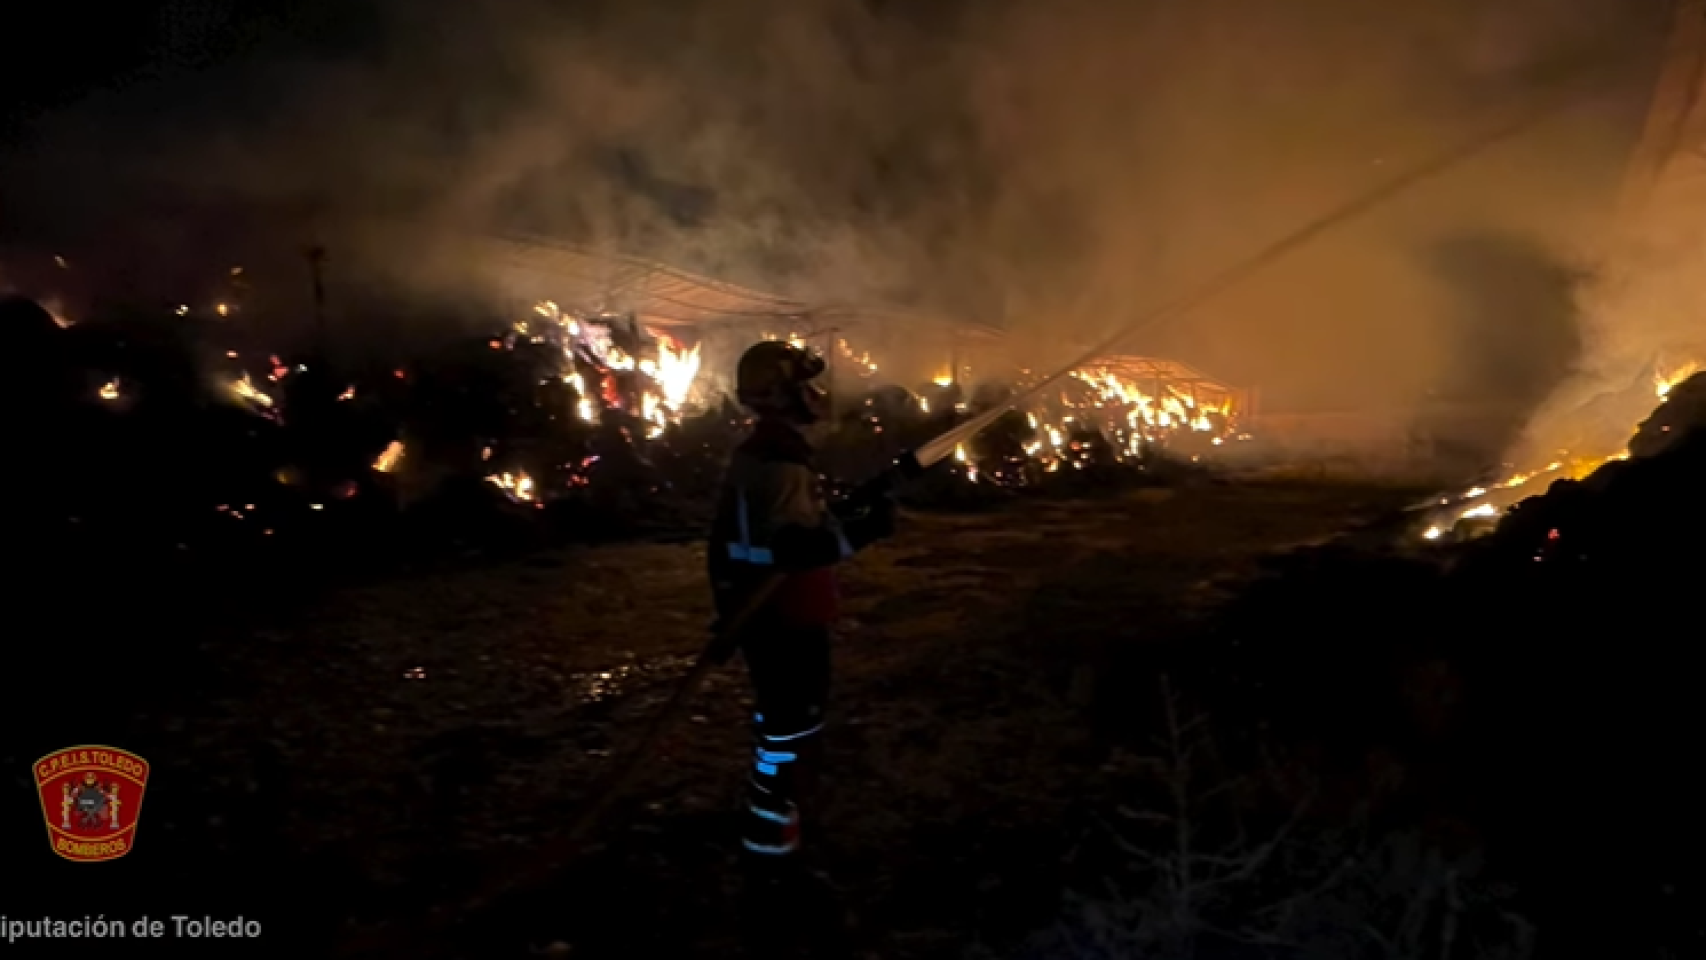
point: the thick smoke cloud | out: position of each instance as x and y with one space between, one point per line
1053 166
1642 310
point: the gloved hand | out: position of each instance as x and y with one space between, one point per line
876 521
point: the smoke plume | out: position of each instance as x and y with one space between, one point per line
1055 167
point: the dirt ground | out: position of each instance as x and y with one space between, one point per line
349 763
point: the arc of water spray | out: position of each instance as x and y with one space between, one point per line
1172 310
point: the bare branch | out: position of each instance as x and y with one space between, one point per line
1453 906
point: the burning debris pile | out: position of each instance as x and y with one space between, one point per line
1601 438
666 412
608 393
144 440
1121 416
566 423
1127 409
1631 511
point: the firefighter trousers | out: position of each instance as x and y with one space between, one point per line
790 669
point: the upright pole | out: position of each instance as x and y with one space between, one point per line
316 260
832 365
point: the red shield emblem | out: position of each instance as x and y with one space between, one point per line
91 797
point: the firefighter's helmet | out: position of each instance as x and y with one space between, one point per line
775 378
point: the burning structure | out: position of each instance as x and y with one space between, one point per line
645 385
655 345
598 401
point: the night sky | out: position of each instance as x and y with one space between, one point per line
123 78
102 47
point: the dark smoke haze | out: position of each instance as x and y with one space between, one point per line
1051 166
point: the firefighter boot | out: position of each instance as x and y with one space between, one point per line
782 766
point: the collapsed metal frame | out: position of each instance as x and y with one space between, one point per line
686 305
1159 378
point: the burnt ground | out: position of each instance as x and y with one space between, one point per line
994 695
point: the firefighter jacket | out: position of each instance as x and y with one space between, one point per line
772 519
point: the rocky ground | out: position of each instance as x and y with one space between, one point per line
339 761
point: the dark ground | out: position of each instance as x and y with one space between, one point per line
992 696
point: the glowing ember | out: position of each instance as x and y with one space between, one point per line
56 310
244 389
387 461
862 359
1664 383
970 464
110 390
792 338
519 486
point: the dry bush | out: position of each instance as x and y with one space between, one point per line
1217 869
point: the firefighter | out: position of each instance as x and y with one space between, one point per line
772 519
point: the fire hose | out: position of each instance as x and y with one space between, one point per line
721 647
